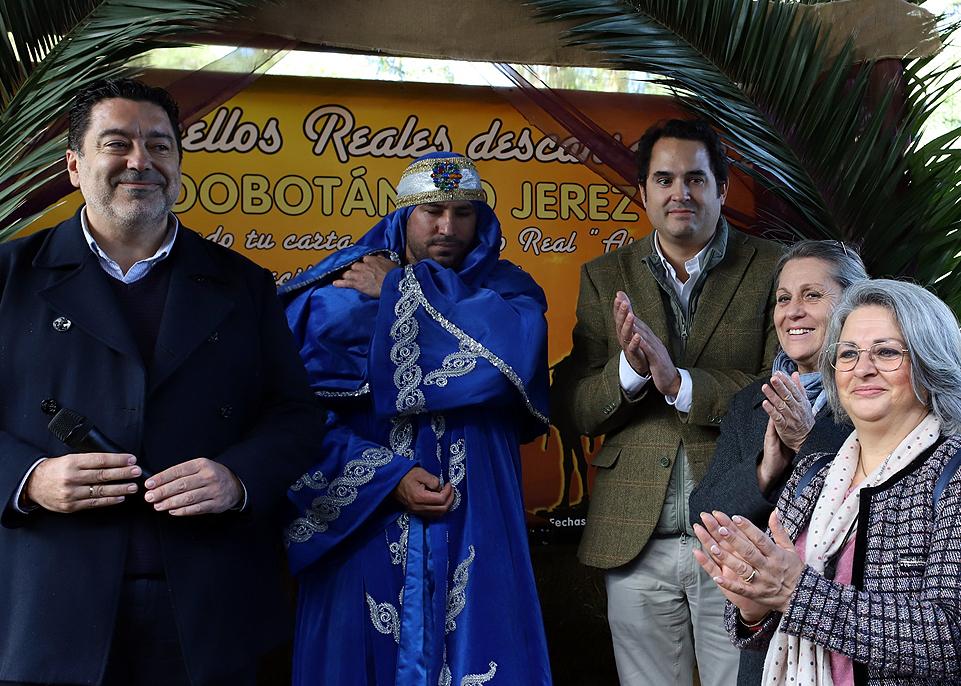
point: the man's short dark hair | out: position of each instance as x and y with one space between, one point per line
688 130
128 89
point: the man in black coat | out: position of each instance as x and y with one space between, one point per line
156 565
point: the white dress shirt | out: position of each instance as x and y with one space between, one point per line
631 381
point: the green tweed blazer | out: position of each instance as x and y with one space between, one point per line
730 343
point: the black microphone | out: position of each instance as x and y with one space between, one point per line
79 434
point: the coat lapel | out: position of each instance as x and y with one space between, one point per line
79 289
719 290
197 303
641 287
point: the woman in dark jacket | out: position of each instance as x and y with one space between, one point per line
789 410
861 583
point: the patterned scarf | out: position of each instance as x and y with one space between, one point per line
810 380
794 660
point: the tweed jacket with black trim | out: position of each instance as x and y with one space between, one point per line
900 619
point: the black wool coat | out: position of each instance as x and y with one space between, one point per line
225 383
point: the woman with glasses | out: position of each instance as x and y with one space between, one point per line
860 579
768 421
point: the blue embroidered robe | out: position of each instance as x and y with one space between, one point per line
447 370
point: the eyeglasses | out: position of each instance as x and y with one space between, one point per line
886 357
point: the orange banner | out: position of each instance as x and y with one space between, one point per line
292 169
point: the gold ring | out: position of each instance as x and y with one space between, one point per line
786 399
91 490
750 578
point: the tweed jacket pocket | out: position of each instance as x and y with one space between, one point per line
909 573
607 456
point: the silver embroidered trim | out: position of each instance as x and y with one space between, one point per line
475 679
363 390
315 481
412 288
405 352
456 364
401 437
341 492
398 548
457 468
439 425
470 679
457 596
384 617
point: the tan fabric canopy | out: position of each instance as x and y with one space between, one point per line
508 31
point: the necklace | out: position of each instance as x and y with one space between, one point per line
884 466
861 467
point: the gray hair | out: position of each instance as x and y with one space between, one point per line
846 265
931 335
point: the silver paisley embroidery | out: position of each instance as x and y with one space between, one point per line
457 468
457 597
456 364
475 679
363 390
398 548
470 679
438 425
384 617
341 492
401 437
405 352
412 289
316 481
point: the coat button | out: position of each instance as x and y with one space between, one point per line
226 411
62 324
665 462
213 338
49 407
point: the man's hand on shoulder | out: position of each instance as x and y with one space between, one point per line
420 493
366 275
81 481
199 486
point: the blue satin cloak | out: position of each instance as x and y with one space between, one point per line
456 377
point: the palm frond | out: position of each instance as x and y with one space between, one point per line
51 48
806 124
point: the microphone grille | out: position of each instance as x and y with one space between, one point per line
64 423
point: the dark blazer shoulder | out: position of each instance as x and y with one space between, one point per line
31 245
222 263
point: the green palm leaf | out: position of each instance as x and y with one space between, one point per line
51 48
802 122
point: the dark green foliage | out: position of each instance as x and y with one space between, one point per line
64 45
845 161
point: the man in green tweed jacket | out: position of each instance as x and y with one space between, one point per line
668 329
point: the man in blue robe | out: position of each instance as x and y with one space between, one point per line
410 545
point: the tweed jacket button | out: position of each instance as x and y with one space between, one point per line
665 462
226 411
213 338
62 324
49 406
